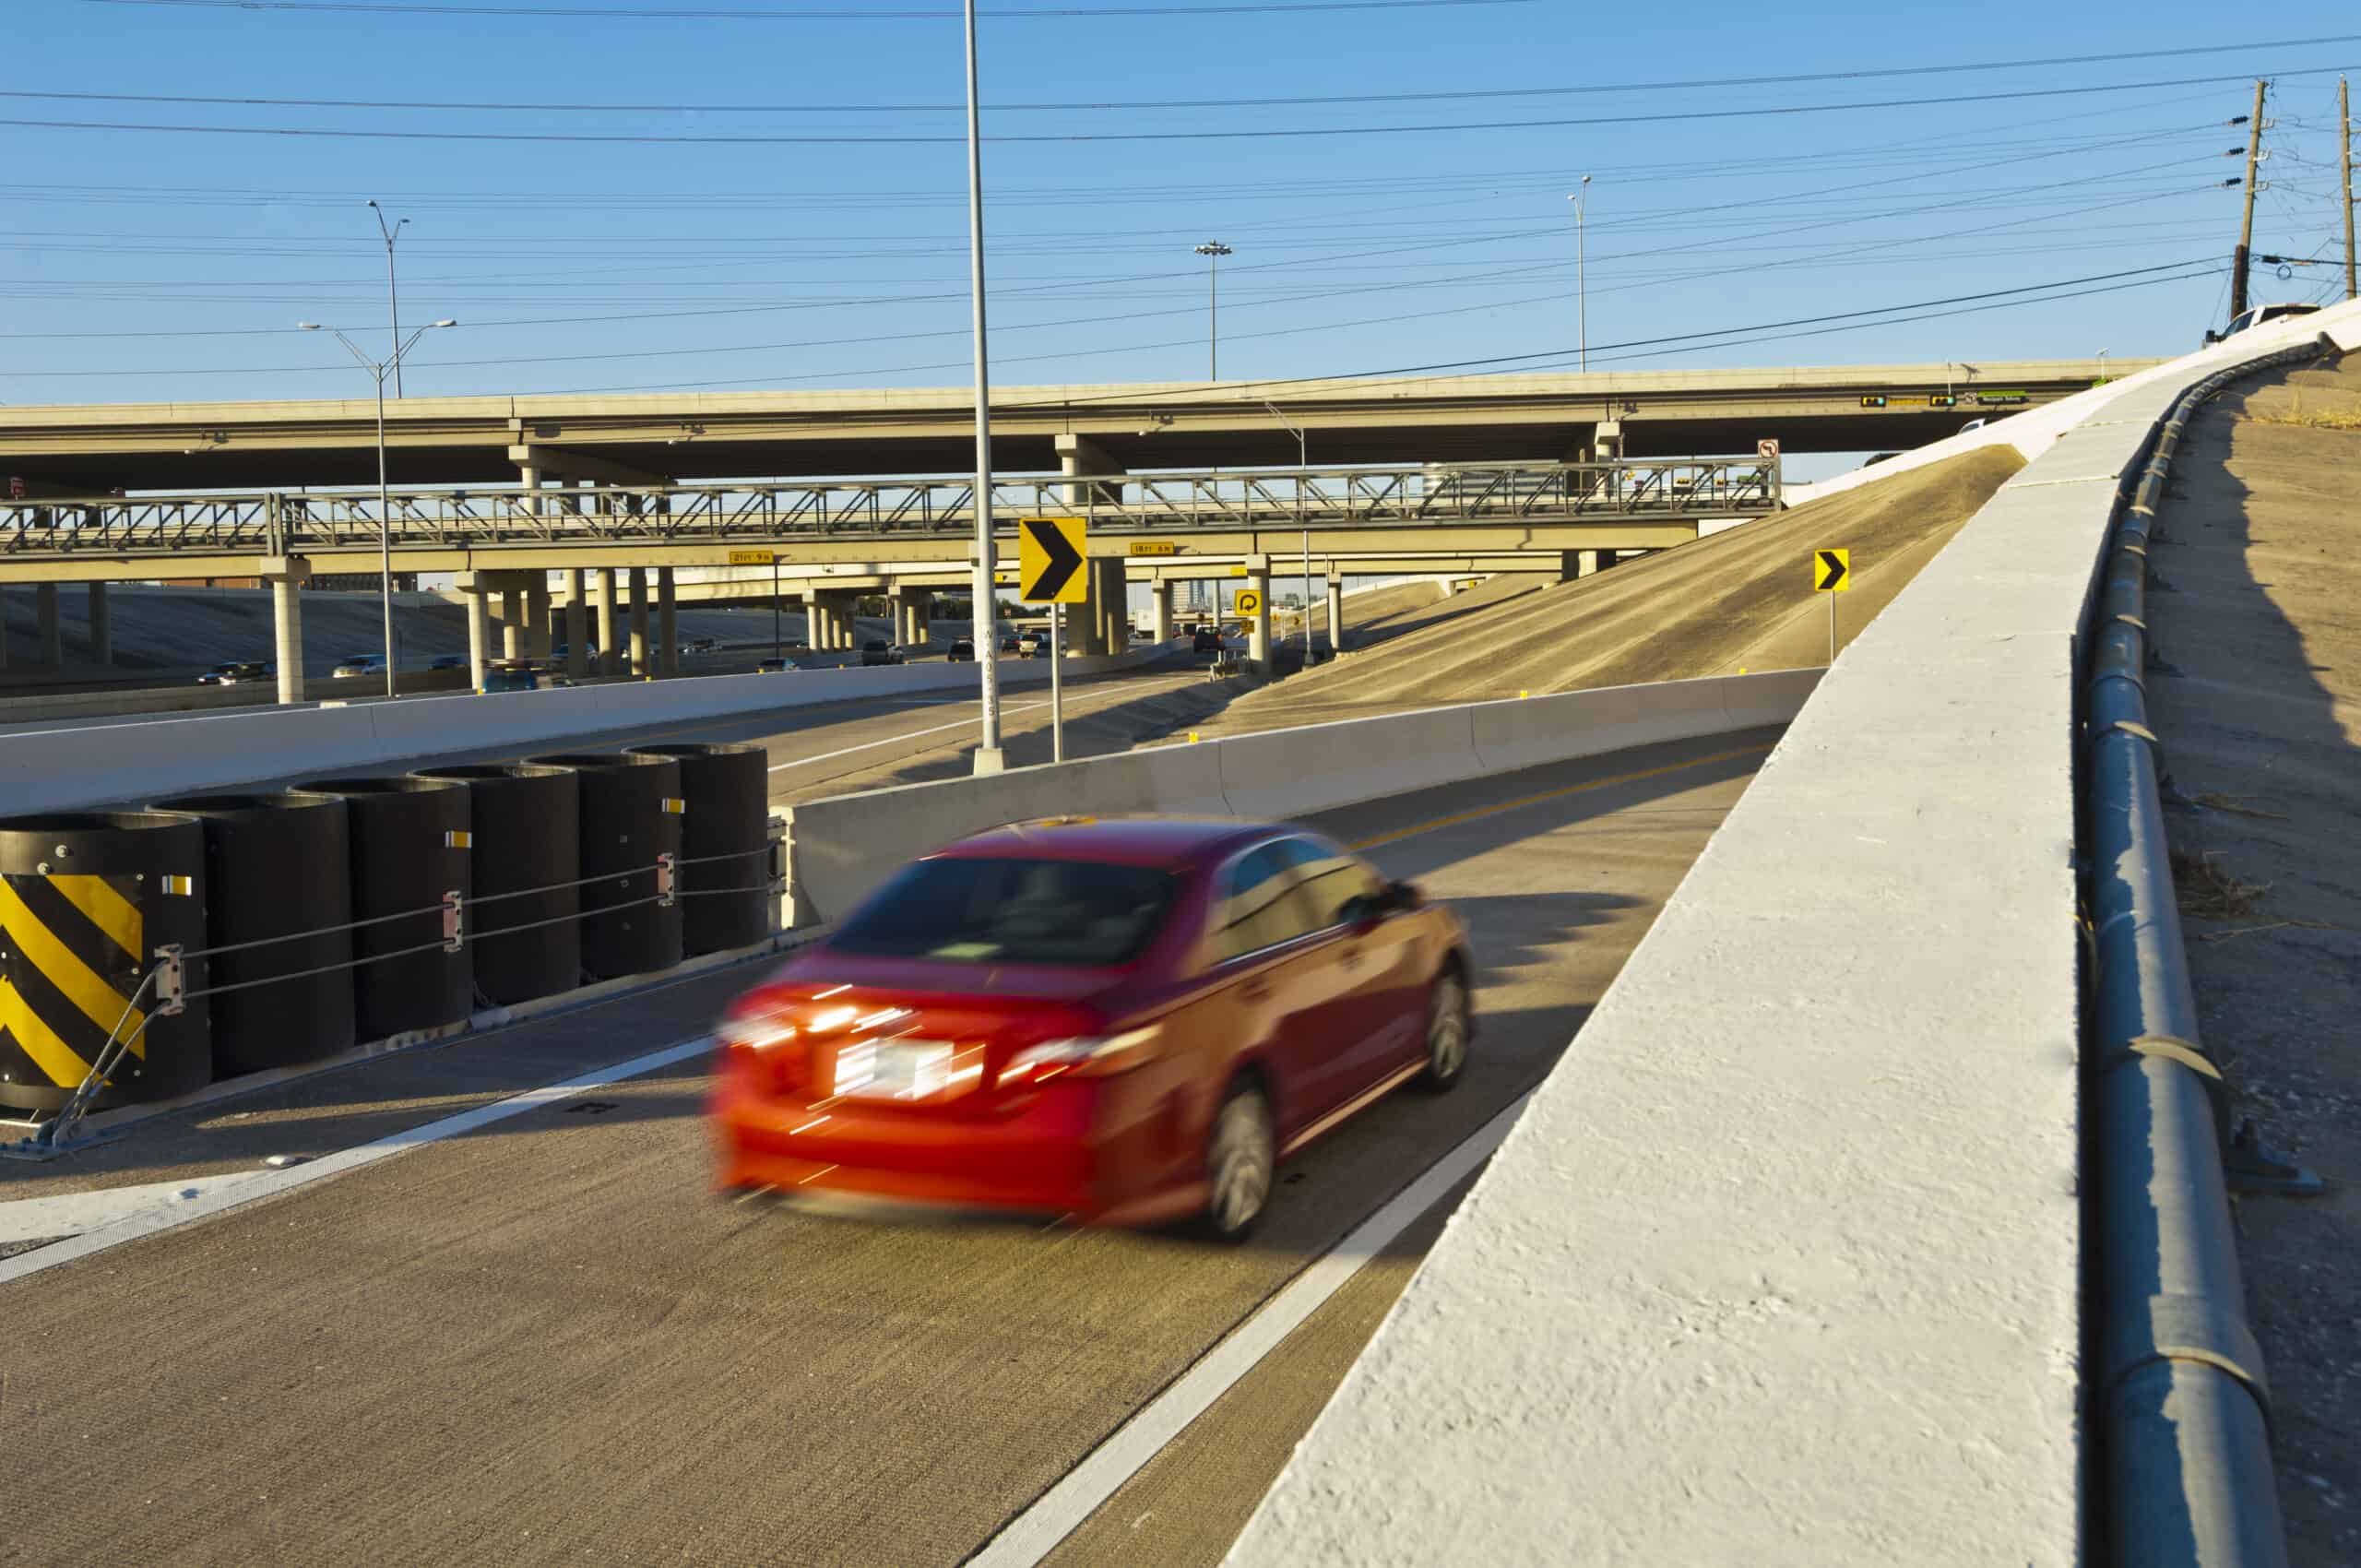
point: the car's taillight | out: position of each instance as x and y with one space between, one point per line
1085 1056
761 1041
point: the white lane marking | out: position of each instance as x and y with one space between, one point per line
270 1183
896 740
1060 1511
70 1214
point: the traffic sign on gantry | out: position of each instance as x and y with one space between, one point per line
1049 553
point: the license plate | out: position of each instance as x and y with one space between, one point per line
894 1069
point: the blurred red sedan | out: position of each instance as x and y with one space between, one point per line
1129 1020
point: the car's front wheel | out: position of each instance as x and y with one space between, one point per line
1241 1156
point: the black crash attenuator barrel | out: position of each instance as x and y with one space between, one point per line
85 898
632 812
411 840
523 924
278 875
725 844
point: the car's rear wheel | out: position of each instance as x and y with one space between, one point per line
1447 1032
1241 1156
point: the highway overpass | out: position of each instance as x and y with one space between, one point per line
1825 1243
668 437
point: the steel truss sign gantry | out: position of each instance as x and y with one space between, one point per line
1410 498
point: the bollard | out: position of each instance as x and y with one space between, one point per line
631 812
523 917
725 898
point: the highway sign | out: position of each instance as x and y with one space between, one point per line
1831 570
1048 561
1154 547
1872 401
1248 603
753 557
1766 449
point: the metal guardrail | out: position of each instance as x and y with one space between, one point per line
2178 1385
274 523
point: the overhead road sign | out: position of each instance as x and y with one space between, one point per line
1154 547
753 557
1050 552
1831 570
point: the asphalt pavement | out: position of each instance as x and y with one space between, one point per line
545 1340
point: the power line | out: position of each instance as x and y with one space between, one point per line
1266 133
1062 13
1454 95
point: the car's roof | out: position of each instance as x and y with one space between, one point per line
1173 841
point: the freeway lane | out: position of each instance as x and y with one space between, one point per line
544 1341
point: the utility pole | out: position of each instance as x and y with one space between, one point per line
2344 158
2238 262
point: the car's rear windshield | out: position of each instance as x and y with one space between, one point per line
1079 913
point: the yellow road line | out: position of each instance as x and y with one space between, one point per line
1480 812
38 1041
63 969
109 910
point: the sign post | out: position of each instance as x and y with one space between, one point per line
765 558
1050 553
1831 573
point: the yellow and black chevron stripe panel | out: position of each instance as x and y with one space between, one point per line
71 958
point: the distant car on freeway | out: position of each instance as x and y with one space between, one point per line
510 678
1033 645
1206 640
962 652
234 674
1010 643
774 667
450 661
1880 457
877 651
1132 1020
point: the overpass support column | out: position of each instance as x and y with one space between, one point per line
638 621
1607 441
811 619
3 625
668 624
285 573
607 618
479 627
512 623
1258 625
897 608
48 639
1574 563
1104 617
1163 602
923 617
1079 458
101 626
1335 615
577 625
537 617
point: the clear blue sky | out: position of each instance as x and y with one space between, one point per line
844 265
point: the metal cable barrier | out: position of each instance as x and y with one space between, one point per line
166 978
2184 1408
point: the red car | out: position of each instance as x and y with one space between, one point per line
1129 1020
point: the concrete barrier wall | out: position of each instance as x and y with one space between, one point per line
1780 1265
840 849
67 769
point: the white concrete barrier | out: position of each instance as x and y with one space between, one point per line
66 769
1780 1265
840 849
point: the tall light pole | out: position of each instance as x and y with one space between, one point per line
1213 250
982 613
2103 364
1303 457
1580 199
393 298
377 370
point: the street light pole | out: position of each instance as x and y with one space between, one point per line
1580 199
1304 459
378 370
981 613
1213 250
393 298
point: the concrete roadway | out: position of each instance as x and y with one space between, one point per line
545 1341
